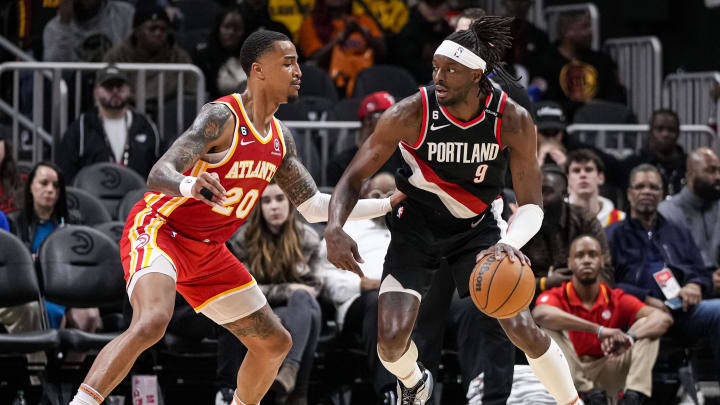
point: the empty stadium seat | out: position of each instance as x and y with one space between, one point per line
306 108
91 209
128 202
80 267
395 80
317 82
109 182
112 229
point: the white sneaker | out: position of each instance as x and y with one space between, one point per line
420 393
224 396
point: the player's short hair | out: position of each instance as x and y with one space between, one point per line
644 167
585 155
585 235
256 45
473 13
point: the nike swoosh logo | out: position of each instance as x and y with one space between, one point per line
476 223
243 143
434 128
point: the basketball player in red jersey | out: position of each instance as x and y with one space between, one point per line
203 188
452 136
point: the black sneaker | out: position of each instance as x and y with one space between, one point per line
595 397
631 397
420 393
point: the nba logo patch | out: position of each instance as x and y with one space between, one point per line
400 212
277 145
606 314
458 52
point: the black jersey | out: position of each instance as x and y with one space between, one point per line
455 166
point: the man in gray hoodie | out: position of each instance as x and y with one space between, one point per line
84 30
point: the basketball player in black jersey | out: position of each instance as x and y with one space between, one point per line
451 136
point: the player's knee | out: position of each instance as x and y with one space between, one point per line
278 344
392 343
150 327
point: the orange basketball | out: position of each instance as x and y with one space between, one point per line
501 288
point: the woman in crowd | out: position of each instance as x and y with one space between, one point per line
10 182
44 210
341 42
282 254
220 59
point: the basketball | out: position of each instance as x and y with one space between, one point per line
501 288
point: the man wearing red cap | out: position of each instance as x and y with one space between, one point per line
371 107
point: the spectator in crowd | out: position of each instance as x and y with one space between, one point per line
563 222
110 132
4 224
662 151
341 42
529 41
371 107
26 22
588 319
414 47
282 255
220 59
356 298
586 173
45 209
256 16
467 17
697 206
291 13
84 30
152 41
10 182
657 261
555 143
572 72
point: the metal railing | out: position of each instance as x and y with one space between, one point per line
688 94
59 115
624 139
639 61
326 131
551 19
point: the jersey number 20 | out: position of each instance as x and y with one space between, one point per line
480 174
235 195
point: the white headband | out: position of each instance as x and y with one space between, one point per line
460 54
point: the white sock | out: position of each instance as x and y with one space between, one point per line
405 368
87 395
554 373
237 401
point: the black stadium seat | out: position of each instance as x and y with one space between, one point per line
19 285
395 80
316 82
127 203
90 208
109 182
80 267
305 108
112 229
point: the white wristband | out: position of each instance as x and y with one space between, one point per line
186 186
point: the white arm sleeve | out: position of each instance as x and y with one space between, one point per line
315 208
524 224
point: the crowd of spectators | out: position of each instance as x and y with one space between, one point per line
629 248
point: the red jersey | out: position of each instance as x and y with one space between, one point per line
245 171
612 309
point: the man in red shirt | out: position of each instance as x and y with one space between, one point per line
587 319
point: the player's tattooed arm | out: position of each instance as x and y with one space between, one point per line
188 148
292 176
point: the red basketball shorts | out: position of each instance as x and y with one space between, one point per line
207 274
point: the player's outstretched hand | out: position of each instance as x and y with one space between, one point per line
213 193
499 249
342 251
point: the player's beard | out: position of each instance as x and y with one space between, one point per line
109 105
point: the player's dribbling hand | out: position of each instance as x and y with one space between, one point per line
499 249
210 181
343 251
397 197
